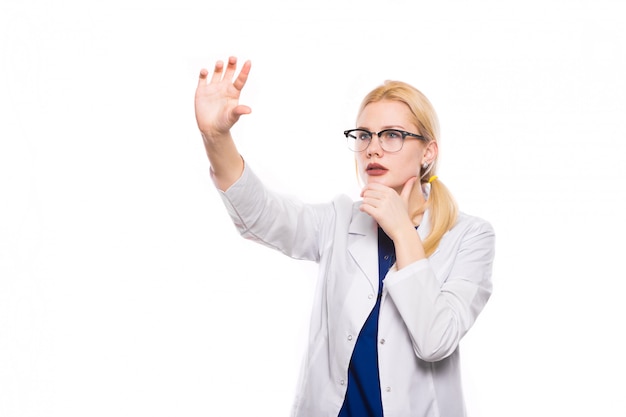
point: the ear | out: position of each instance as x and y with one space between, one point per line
430 153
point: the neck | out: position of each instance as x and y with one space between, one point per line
417 203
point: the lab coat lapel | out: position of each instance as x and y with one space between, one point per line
363 243
424 228
363 246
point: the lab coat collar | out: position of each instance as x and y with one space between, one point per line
363 242
362 224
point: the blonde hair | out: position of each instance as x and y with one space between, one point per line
443 210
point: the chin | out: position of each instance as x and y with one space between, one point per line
379 180
386 182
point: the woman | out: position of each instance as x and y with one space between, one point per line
403 275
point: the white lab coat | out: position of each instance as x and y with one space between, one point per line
426 307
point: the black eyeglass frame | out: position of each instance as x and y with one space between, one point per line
404 134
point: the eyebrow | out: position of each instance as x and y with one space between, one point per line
383 128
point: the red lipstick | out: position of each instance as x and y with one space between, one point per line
375 169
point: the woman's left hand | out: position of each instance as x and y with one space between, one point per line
388 208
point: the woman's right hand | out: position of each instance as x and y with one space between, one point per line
217 101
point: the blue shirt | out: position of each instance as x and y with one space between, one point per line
363 398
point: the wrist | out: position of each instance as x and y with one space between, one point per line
212 138
406 231
409 247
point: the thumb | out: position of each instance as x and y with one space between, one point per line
406 190
238 112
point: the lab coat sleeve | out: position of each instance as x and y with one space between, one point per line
438 314
279 222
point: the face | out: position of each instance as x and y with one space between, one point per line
391 169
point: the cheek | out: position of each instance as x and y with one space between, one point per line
411 166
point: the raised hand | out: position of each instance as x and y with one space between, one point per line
217 100
217 110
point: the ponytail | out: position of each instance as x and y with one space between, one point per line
443 212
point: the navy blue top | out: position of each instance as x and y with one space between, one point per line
363 397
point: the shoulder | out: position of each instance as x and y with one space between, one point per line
473 231
469 222
468 231
342 207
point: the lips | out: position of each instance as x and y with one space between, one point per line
375 169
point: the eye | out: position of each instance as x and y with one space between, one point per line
393 134
362 135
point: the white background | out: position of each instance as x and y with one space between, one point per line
124 288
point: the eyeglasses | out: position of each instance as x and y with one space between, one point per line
391 140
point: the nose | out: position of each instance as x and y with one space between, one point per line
374 146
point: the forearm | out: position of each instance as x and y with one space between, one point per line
433 317
226 162
409 247
440 298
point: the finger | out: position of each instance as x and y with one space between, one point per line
379 190
230 68
370 211
406 190
376 186
369 192
371 202
202 78
217 71
366 208
243 75
374 195
370 187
